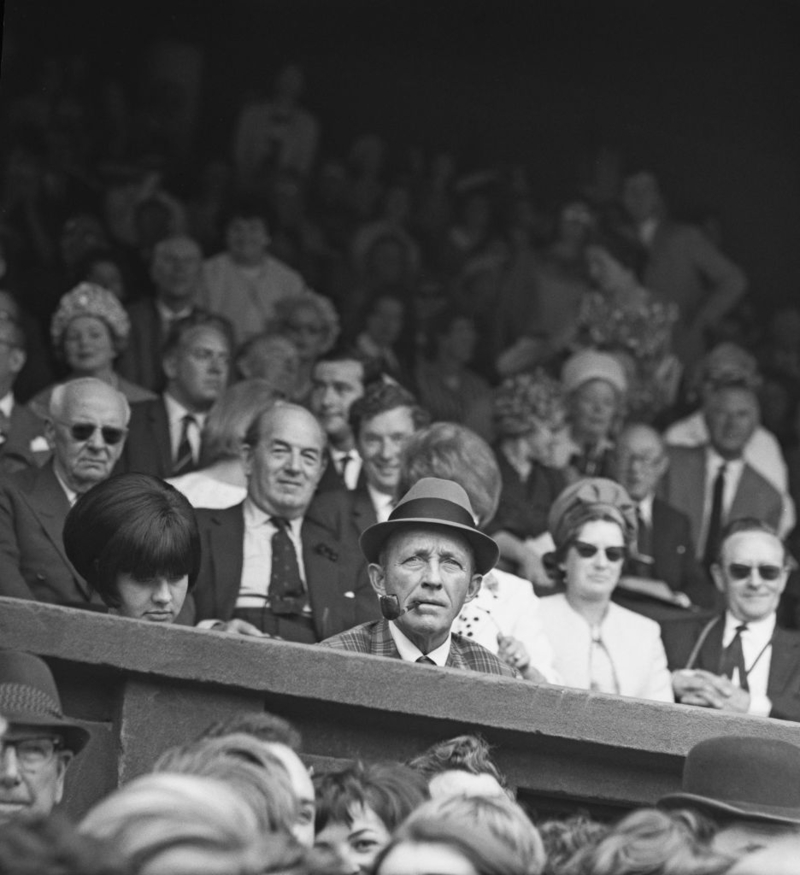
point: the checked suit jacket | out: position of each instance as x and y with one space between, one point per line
339 591
375 639
783 686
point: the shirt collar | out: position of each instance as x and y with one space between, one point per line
646 509
714 460
761 631
72 496
176 411
383 503
168 316
409 652
255 517
7 404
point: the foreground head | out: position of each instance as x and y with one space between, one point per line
465 835
178 824
359 807
749 786
382 420
752 570
460 766
284 456
86 429
39 741
429 556
641 460
134 539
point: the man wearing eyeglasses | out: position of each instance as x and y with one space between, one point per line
741 660
86 431
39 741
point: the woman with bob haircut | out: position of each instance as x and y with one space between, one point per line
599 645
169 824
134 539
464 835
359 807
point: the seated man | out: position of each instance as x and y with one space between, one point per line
267 562
39 741
425 562
86 430
665 566
740 661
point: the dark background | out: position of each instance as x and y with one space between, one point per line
705 93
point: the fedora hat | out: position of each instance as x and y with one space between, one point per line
28 695
743 777
433 502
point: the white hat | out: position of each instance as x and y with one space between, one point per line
589 364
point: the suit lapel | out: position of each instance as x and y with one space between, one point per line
51 506
226 546
455 659
363 510
783 665
159 429
322 562
711 650
381 642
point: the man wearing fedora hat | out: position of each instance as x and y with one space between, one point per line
748 786
425 562
39 741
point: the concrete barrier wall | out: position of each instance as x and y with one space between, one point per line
142 688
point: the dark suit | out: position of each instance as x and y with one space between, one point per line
783 686
673 552
140 361
16 453
33 563
375 639
339 591
148 449
684 487
332 480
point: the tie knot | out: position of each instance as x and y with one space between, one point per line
742 627
280 523
425 660
189 419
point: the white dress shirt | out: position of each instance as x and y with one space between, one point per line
257 556
381 502
7 404
733 474
353 468
757 651
411 653
175 413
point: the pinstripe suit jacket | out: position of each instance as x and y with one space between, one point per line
375 639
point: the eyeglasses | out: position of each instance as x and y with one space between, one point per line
765 572
32 753
82 431
586 551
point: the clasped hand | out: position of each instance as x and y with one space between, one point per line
699 687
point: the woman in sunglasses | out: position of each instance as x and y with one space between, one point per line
599 645
134 539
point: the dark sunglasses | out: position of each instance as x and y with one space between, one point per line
586 551
765 572
82 431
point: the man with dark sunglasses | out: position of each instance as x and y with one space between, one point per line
86 430
740 661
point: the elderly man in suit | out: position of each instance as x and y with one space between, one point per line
665 552
268 565
740 661
86 431
165 432
425 562
713 484
22 441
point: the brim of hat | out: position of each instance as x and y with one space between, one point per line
486 550
75 736
750 811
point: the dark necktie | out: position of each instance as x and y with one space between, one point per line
715 518
425 660
344 461
184 461
733 658
286 593
644 546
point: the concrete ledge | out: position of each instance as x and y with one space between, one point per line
157 686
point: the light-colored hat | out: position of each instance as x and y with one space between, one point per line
587 499
89 299
590 364
436 502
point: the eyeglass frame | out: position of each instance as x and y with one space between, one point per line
583 550
56 740
112 435
743 571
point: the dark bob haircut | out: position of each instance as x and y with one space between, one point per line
132 524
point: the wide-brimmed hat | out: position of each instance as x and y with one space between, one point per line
439 503
743 777
28 695
89 299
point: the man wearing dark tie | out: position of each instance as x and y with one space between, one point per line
165 432
740 661
665 552
268 566
714 485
